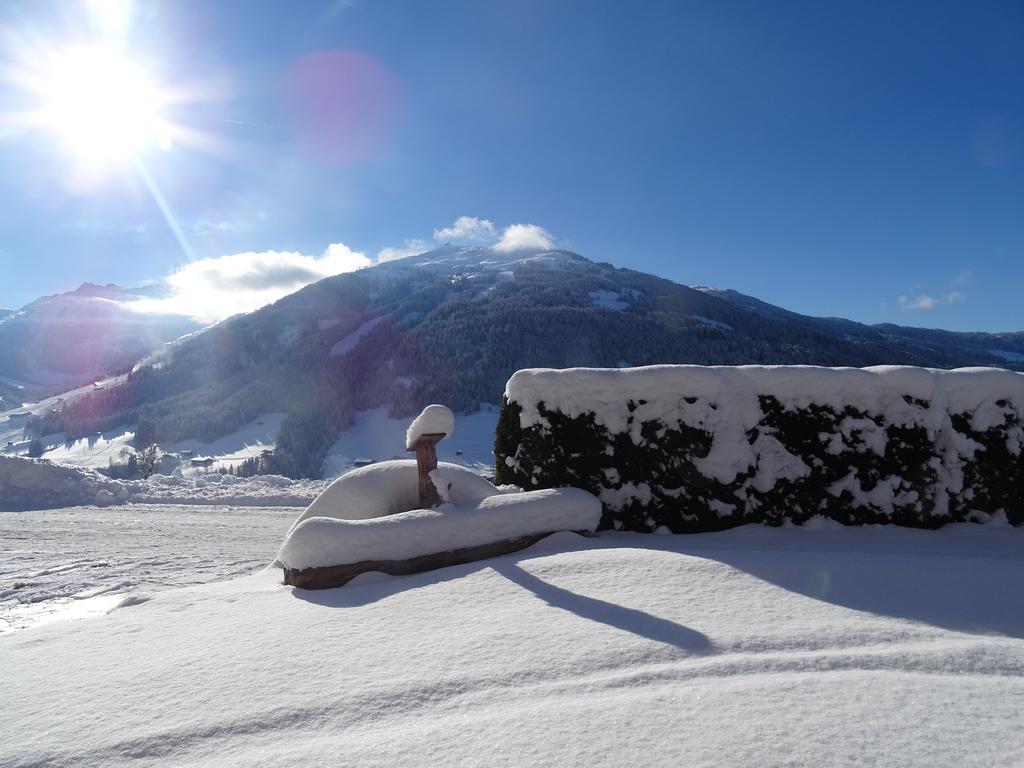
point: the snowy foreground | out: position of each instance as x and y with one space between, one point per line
756 646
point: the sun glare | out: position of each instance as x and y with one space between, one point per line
102 106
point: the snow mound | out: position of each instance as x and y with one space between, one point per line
389 487
40 484
435 419
215 488
461 486
320 541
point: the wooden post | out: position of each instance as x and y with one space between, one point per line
426 461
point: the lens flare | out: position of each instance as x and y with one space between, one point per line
343 105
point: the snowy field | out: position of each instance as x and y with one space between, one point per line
751 647
60 564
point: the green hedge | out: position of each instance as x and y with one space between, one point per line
657 480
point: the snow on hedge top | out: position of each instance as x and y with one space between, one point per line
435 419
709 397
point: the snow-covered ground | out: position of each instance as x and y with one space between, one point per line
95 452
794 646
376 437
713 323
212 488
347 344
244 443
608 300
74 562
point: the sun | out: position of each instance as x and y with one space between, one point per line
101 105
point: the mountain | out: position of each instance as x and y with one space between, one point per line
451 326
972 348
71 338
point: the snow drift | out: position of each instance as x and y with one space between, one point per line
42 484
388 487
39 484
701 448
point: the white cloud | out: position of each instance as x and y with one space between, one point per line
467 228
215 288
340 258
205 227
954 294
410 248
963 278
920 301
519 237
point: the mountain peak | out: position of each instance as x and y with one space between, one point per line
449 257
108 291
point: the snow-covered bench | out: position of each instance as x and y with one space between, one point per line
367 520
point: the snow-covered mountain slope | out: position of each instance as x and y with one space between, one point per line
451 325
752 647
69 338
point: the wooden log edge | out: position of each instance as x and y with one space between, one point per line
328 576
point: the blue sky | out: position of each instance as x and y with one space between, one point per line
856 159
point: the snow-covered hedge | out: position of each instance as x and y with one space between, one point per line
692 448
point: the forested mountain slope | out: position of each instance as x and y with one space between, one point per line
451 326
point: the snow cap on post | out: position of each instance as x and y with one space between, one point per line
434 420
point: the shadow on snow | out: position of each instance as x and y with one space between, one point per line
964 578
